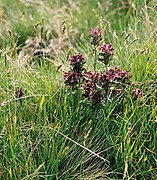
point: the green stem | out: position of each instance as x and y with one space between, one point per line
95 59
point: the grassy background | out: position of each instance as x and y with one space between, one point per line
48 135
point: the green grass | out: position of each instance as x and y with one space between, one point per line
51 133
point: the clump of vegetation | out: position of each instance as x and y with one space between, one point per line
98 86
93 119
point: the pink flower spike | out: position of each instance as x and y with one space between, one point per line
110 47
104 47
95 31
107 48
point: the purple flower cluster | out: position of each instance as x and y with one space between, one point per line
107 48
90 87
95 32
117 75
116 79
106 51
72 78
77 61
110 82
95 36
112 74
95 86
95 77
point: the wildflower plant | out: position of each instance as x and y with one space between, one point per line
73 77
106 52
95 36
100 85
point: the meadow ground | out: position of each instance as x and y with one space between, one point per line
99 127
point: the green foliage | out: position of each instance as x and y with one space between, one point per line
48 132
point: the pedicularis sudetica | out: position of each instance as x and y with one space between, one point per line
98 86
